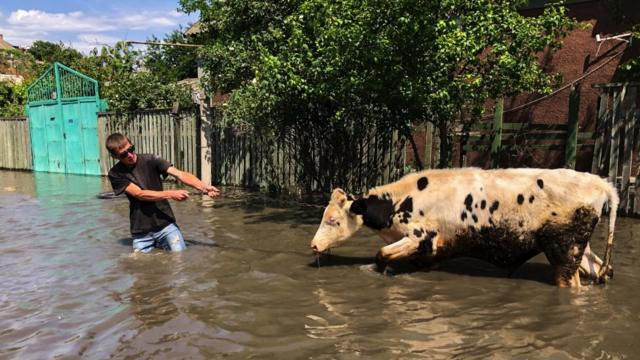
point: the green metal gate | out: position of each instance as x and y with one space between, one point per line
63 107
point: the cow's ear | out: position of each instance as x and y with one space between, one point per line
358 207
338 197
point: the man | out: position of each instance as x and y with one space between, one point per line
138 175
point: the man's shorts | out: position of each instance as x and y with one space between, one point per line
170 238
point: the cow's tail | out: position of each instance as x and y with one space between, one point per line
612 201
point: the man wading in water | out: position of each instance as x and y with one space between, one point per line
138 175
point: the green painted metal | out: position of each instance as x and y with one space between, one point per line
63 107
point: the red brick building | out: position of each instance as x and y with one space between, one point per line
581 56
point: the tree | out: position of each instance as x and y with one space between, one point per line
391 64
50 52
12 99
172 63
125 82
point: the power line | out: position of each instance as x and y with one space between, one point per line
163 44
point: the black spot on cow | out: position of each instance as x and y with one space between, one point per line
405 209
481 189
338 223
421 213
474 217
422 183
531 198
468 201
463 216
426 246
520 199
376 213
491 222
521 223
483 204
540 184
494 206
417 233
553 213
476 205
406 205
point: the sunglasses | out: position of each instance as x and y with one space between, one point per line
130 150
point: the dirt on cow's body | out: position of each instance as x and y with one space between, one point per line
249 286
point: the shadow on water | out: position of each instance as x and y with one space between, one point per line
283 210
532 271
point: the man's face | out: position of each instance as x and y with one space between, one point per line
126 154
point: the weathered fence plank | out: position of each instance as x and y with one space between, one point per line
15 144
153 131
627 110
571 144
619 142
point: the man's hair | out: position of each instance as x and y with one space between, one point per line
115 141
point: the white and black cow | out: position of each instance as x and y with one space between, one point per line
502 216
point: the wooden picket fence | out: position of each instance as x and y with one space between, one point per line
15 144
307 160
617 149
171 135
504 141
312 159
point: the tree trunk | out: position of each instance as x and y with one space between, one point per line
445 145
416 154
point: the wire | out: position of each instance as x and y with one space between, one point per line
562 88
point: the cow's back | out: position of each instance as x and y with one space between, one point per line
523 199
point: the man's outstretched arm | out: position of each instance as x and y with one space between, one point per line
188 178
152 195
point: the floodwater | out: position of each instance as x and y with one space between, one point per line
249 287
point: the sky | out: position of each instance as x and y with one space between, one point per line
85 24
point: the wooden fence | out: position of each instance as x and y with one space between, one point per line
506 141
173 136
15 144
617 148
307 159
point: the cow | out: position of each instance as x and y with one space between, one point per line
502 216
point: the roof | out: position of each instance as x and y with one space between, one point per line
5 45
194 29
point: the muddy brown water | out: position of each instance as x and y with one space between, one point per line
248 287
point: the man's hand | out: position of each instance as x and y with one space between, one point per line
178 195
211 191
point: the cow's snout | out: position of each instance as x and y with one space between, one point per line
314 248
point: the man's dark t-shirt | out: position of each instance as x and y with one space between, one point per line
145 216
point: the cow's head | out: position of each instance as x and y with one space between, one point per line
338 223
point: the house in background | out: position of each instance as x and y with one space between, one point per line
4 45
9 77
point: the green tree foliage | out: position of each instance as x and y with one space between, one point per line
120 70
49 52
12 99
127 84
391 64
172 63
